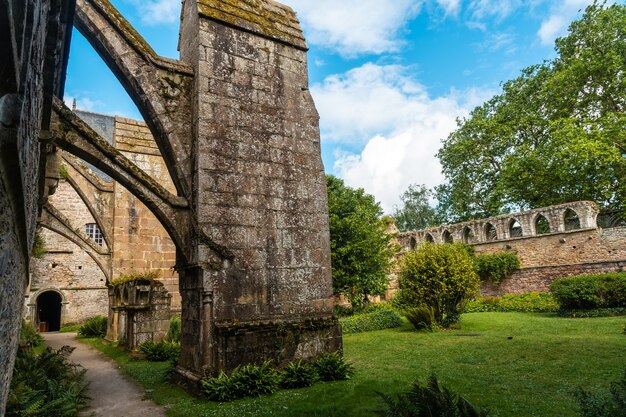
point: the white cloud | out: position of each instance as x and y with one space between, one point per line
155 12
498 9
83 103
354 27
451 7
562 13
385 109
498 41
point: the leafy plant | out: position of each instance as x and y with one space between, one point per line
39 246
496 267
333 367
29 335
421 317
174 333
46 385
249 380
603 404
538 302
440 276
298 375
430 400
594 312
94 327
591 291
376 320
163 350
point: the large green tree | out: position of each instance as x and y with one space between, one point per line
555 134
361 250
416 212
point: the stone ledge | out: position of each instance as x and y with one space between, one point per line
263 17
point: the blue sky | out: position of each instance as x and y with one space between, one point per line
389 77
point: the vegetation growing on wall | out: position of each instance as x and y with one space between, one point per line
141 278
39 246
496 267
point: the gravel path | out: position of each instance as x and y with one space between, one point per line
112 394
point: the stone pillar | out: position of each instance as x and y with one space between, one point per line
260 192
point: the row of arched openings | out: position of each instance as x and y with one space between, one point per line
571 221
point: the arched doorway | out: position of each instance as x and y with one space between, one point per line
49 311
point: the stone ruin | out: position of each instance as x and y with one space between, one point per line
239 133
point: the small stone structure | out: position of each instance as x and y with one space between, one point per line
140 312
551 242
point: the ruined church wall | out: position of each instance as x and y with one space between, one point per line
67 268
140 241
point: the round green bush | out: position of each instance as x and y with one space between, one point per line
591 291
376 320
441 276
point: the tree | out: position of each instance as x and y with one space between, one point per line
440 277
554 134
416 212
361 250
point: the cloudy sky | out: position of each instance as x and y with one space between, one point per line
389 77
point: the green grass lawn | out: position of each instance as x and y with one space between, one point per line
515 364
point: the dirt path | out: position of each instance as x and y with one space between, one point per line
112 394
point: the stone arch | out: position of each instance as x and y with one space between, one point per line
412 243
159 87
515 228
542 224
429 238
468 235
43 307
491 233
571 220
446 237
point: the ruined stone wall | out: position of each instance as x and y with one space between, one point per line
67 268
32 69
567 245
140 241
260 191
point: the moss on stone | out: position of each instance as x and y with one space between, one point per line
141 278
256 16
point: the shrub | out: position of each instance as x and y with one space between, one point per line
333 367
430 400
164 350
29 335
591 291
94 327
174 334
376 320
496 267
298 375
46 385
440 276
539 302
421 317
590 313
249 380
603 404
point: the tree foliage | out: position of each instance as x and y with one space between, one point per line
360 248
554 134
416 212
438 276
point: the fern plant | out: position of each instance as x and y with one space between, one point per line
94 327
298 375
429 400
333 367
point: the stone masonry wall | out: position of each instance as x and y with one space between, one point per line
67 268
140 241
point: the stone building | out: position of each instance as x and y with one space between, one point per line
66 284
551 242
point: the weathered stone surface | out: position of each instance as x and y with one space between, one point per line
544 257
33 47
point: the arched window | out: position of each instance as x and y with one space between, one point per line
571 220
412 243
447 237
491 233
93 231
429 238
468 235
542 225
515 229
